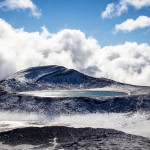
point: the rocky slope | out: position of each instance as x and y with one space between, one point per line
57 106
59 137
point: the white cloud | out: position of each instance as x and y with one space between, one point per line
114 10
138 4
129 62
21 4
131 24
117 9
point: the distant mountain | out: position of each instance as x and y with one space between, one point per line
52 77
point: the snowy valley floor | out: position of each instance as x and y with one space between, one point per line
131 123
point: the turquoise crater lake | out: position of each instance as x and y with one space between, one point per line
68 93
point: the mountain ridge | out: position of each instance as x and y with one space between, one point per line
49 76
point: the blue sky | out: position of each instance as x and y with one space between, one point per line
84 15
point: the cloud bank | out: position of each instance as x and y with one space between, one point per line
117 9
21 4
131 24
129 62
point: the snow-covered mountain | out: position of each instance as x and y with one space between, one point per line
52 77
58 77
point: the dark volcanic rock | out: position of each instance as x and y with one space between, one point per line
59 137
